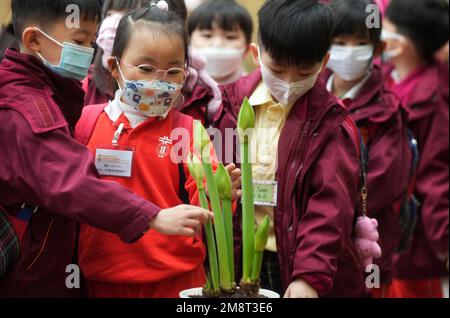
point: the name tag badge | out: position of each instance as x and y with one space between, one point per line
114 162
265 193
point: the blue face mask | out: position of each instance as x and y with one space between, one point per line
75 60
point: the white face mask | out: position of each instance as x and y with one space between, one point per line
222 62
350 63
286 93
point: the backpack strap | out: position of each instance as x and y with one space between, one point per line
363 152
363 155
408 206
364 161
87 123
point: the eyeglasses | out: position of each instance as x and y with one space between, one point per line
174 75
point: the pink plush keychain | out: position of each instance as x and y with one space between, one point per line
366 240
366 235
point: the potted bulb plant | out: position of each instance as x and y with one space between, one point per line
221 280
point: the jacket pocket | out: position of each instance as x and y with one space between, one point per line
42 246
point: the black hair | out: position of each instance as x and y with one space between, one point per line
176 6
47 12
424 22
226 13
159 20
179 8
350 18
298 33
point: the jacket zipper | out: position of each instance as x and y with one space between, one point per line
290 228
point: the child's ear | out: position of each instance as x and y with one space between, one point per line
379 49
31 40
255 53
325 62
112 63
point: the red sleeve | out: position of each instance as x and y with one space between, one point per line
56 173
326 226
432 178
390 160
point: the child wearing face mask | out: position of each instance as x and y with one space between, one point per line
48 180
99 86
201 93
221 31
414 31
358 83
306 150
139 126
220 36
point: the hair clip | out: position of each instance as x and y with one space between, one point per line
161 4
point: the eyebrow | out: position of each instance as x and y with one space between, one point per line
152 61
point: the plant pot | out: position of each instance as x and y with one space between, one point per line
198 293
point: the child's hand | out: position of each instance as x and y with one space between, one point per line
184 220
236 181
300 289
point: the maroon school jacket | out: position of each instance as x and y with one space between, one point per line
428 114
42 165
378 114
318 179
196 103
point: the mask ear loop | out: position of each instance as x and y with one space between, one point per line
259 55
186 75
386 35
49 37
120 73
176 104
54 41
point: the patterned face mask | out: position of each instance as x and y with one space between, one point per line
154 98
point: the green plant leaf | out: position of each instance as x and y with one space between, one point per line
246 121
223 182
